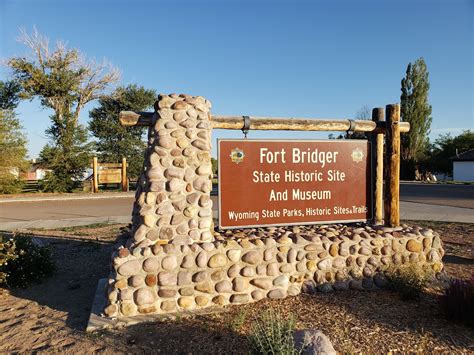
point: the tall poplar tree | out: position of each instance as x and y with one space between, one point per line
416 110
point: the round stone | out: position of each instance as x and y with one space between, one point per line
144 295
339 263
234 270
224 287
186 291
150 280
169 262
240 284
252 257
202 301
248 271
334 250
202 259
185 302
200 144
151 265
168 306
219 300
257 295
205 287
200 276
188 262
129 268
263 283
176 185
281 281
414 246
275 294
123 252
272 269
166 278
239 298
234 254
136 281
166 293
269 254
180 105
128 309
311 265
325 264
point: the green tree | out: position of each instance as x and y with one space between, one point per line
445 147
416 110
113 140
65 82
12 140
9 97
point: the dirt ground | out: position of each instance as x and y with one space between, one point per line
52 316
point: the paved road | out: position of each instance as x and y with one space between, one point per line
438 194
419 201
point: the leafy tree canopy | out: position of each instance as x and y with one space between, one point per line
65 82
445 147
113 140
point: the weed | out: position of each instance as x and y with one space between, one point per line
271 333
409 280
238 321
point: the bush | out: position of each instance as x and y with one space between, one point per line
10 185
25 262
409 280
458 301
271 333
7 253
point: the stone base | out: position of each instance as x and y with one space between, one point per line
253 264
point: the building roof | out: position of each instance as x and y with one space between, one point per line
466 156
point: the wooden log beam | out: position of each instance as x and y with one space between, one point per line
130 118
392 114
377 149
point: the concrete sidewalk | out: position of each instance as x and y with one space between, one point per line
67 197
428 212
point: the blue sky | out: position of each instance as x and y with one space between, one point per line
321 59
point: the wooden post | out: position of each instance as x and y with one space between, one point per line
124 175
392 114
377 149
95 176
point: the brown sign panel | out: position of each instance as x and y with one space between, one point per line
110 176
282 182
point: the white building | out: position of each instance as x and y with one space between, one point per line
463 166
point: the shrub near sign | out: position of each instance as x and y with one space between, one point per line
269 182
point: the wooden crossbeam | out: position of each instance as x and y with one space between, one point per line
131 118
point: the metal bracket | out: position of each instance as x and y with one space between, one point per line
351 128
246 127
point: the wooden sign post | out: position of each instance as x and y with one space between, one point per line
109 173
377 127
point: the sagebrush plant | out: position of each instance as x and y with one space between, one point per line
458 300
409 280
272 333
27 262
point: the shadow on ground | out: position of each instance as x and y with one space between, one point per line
80 264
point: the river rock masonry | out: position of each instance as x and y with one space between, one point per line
174 260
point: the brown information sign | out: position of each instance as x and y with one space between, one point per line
280 182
